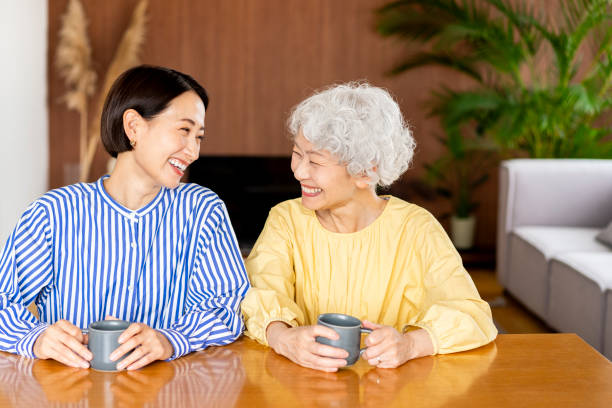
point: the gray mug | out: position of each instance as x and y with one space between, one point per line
103 340
349 329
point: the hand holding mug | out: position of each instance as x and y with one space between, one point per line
146 345
299 345
388 348
349 331
63 342
118 344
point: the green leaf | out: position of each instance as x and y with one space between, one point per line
463 65
522 100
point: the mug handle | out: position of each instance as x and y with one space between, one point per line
368 331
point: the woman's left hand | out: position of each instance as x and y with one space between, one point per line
148 345
388 348
385 346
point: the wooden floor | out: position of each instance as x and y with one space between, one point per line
509 315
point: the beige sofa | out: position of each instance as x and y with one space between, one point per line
547 256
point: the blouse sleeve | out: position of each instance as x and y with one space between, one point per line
26 267
217 285
451 310
270 268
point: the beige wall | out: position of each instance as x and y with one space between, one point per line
23 109
258 58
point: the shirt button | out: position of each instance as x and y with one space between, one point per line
133 245
130 288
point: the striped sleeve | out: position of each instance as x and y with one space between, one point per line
217 285
25 268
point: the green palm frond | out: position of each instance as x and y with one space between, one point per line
453 61
519 17
514 104
418 20
490 44
599 78
583 21
455 108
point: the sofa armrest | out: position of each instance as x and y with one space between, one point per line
551 192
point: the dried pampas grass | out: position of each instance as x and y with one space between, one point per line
126 56
73 60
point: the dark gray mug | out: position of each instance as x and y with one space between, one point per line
103 340
349 329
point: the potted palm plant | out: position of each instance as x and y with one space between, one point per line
542 85
456 174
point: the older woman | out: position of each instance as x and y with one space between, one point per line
136 245
343 248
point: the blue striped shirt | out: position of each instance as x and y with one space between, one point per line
81 256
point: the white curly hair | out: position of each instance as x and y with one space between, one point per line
359 124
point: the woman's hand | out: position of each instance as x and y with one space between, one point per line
148 345
63 342
388 348
298 344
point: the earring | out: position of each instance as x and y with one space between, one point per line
133 143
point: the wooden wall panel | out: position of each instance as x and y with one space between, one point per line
258 58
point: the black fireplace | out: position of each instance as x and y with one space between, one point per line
249 186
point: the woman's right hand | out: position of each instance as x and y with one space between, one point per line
63 342
298 344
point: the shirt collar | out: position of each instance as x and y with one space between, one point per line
126 211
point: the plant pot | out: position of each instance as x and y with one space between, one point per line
462 231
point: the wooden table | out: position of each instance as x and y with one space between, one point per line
556 370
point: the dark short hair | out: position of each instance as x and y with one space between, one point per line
146 89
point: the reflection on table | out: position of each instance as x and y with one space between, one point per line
213 378
430 381
528 370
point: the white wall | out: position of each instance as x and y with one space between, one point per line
23 108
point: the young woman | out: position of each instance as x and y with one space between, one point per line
344 248
136 245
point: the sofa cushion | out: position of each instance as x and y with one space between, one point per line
528 275
531 249
596 267
578 286
555 240
605 236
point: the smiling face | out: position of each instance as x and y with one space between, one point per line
169 142
326 184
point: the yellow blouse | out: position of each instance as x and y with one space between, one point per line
401 270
